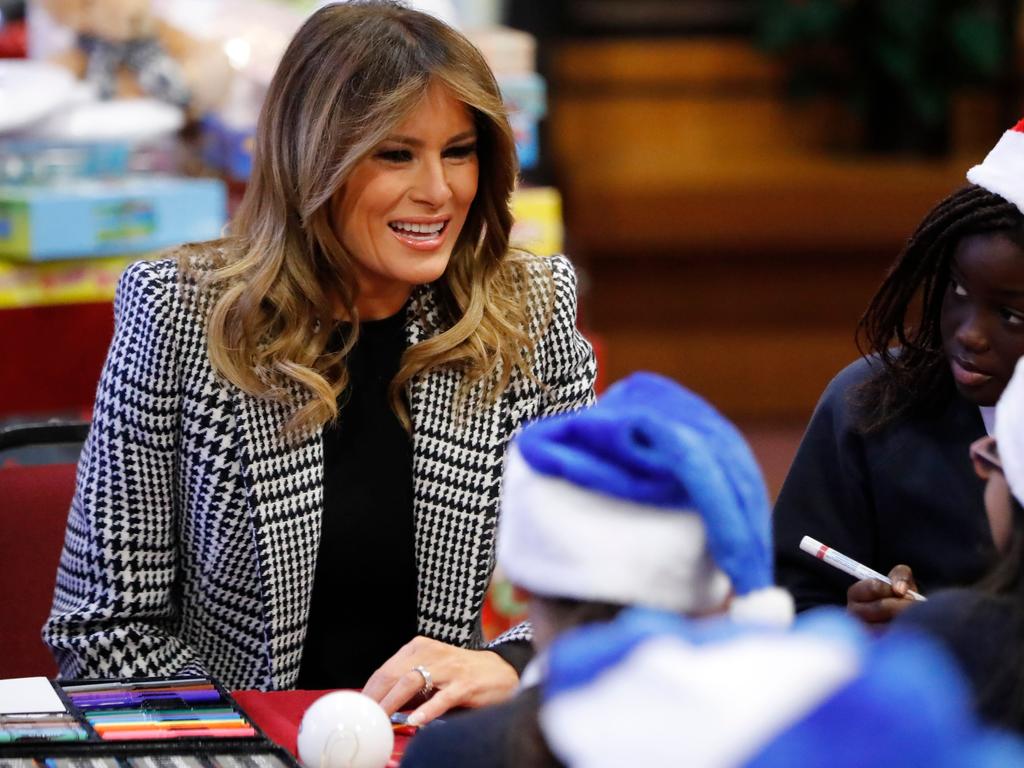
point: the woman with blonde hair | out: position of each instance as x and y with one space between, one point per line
293 470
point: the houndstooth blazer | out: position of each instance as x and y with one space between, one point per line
193 533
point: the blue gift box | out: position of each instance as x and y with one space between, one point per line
99 218
228 148
525 96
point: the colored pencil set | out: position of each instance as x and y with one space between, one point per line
158 709
174 722
45 726
229 760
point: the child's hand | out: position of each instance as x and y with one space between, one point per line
875 602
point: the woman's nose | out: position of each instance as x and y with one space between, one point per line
432 186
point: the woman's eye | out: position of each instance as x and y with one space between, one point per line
461 151
395 155
958 290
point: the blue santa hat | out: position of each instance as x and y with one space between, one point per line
656 689
650 497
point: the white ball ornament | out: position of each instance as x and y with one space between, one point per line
345 729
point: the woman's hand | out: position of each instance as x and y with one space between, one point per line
875 602
460 678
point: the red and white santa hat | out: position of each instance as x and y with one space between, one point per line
1002 171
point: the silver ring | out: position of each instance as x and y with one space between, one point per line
428 681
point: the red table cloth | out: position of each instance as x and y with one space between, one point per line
278 714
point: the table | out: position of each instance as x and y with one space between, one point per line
278 714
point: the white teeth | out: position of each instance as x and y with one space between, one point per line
419 229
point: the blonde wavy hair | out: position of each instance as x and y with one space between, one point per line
349 76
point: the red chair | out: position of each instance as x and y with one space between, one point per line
37 481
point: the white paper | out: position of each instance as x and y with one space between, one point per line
29 694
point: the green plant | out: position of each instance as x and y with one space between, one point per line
894 62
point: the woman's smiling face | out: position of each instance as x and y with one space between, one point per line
404 205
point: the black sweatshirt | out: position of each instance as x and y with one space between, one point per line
906 494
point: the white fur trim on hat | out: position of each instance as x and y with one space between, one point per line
770 607
1010 432
558 539
715 704
1002 170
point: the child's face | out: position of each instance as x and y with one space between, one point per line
983 315
989 468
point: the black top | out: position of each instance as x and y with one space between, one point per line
364 592
507 735
982 632
905 494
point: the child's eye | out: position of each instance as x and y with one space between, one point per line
1012 316
394 155
956 287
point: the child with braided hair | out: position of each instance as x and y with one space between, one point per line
882 473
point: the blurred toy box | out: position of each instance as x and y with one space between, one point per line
60 282
84 218
38 162
525 96
227 148
538 220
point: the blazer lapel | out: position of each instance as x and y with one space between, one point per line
457 453
284 486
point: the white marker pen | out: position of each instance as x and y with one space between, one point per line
846 564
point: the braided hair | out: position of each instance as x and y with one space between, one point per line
914 376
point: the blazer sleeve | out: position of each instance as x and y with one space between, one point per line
566 363
827 495
567 370
114 609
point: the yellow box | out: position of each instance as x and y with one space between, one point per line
77 281
538 220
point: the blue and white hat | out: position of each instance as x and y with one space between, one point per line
650 497
655 689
